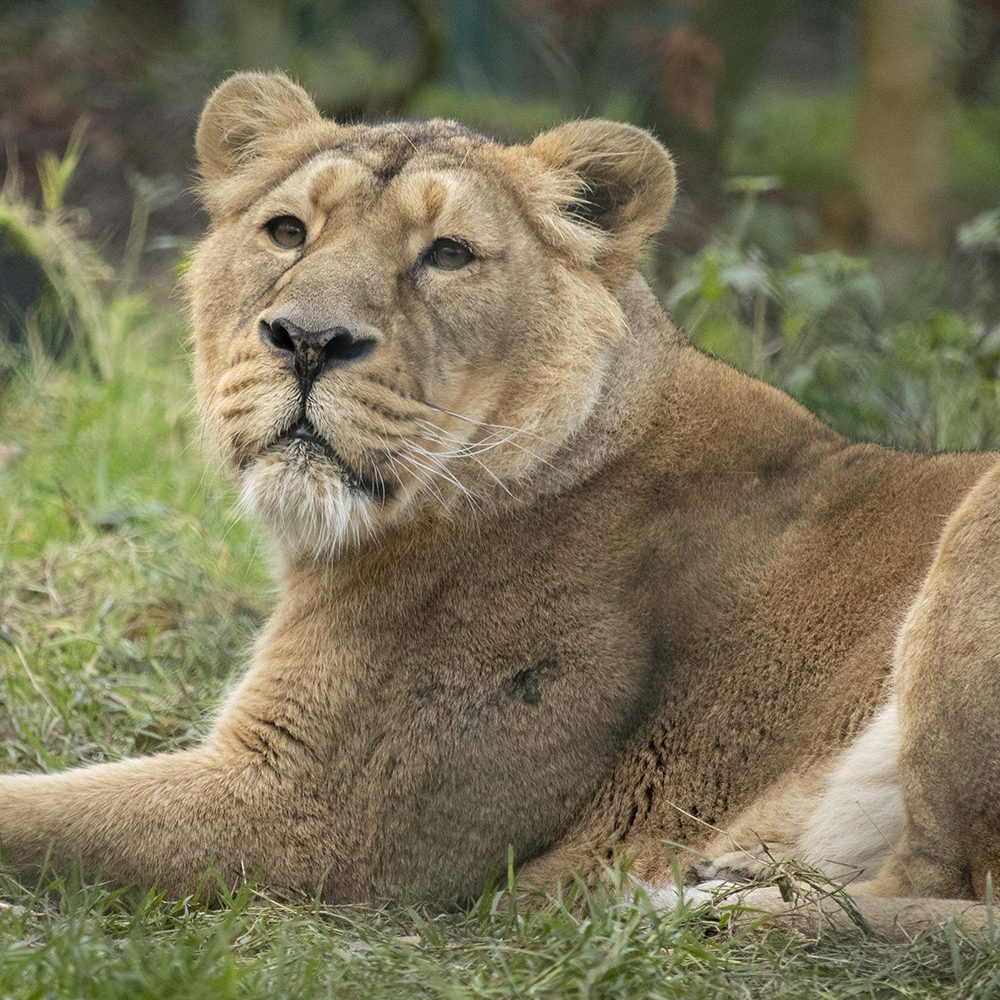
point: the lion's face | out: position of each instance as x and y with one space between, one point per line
398 319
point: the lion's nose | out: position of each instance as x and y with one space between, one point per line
312 352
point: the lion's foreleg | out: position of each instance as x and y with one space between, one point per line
160 820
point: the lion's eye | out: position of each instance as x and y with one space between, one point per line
286 232
449 255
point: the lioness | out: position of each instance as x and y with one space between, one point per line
550 577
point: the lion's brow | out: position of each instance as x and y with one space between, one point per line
418 134
340 147
383 174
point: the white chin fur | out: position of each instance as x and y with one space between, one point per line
305 502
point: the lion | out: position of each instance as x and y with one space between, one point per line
553 584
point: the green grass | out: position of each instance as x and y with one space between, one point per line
81 942
129 591
128 586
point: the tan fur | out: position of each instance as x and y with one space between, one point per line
617 598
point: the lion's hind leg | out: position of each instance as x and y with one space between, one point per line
947 679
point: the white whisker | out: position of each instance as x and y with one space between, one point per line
441 471
473 453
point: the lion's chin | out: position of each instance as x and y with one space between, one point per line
303 498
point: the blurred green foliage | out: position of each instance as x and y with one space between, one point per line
733 89
825 328
51 278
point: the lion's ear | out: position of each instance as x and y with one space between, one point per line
622 185
242 113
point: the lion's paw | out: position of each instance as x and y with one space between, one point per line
739 867
667 898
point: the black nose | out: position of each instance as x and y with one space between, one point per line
312 352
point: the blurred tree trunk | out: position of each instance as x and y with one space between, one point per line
904 117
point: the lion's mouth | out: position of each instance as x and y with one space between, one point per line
303 435
305 432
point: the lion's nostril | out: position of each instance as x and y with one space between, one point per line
277 336
344 347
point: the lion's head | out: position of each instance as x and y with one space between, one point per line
400 318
